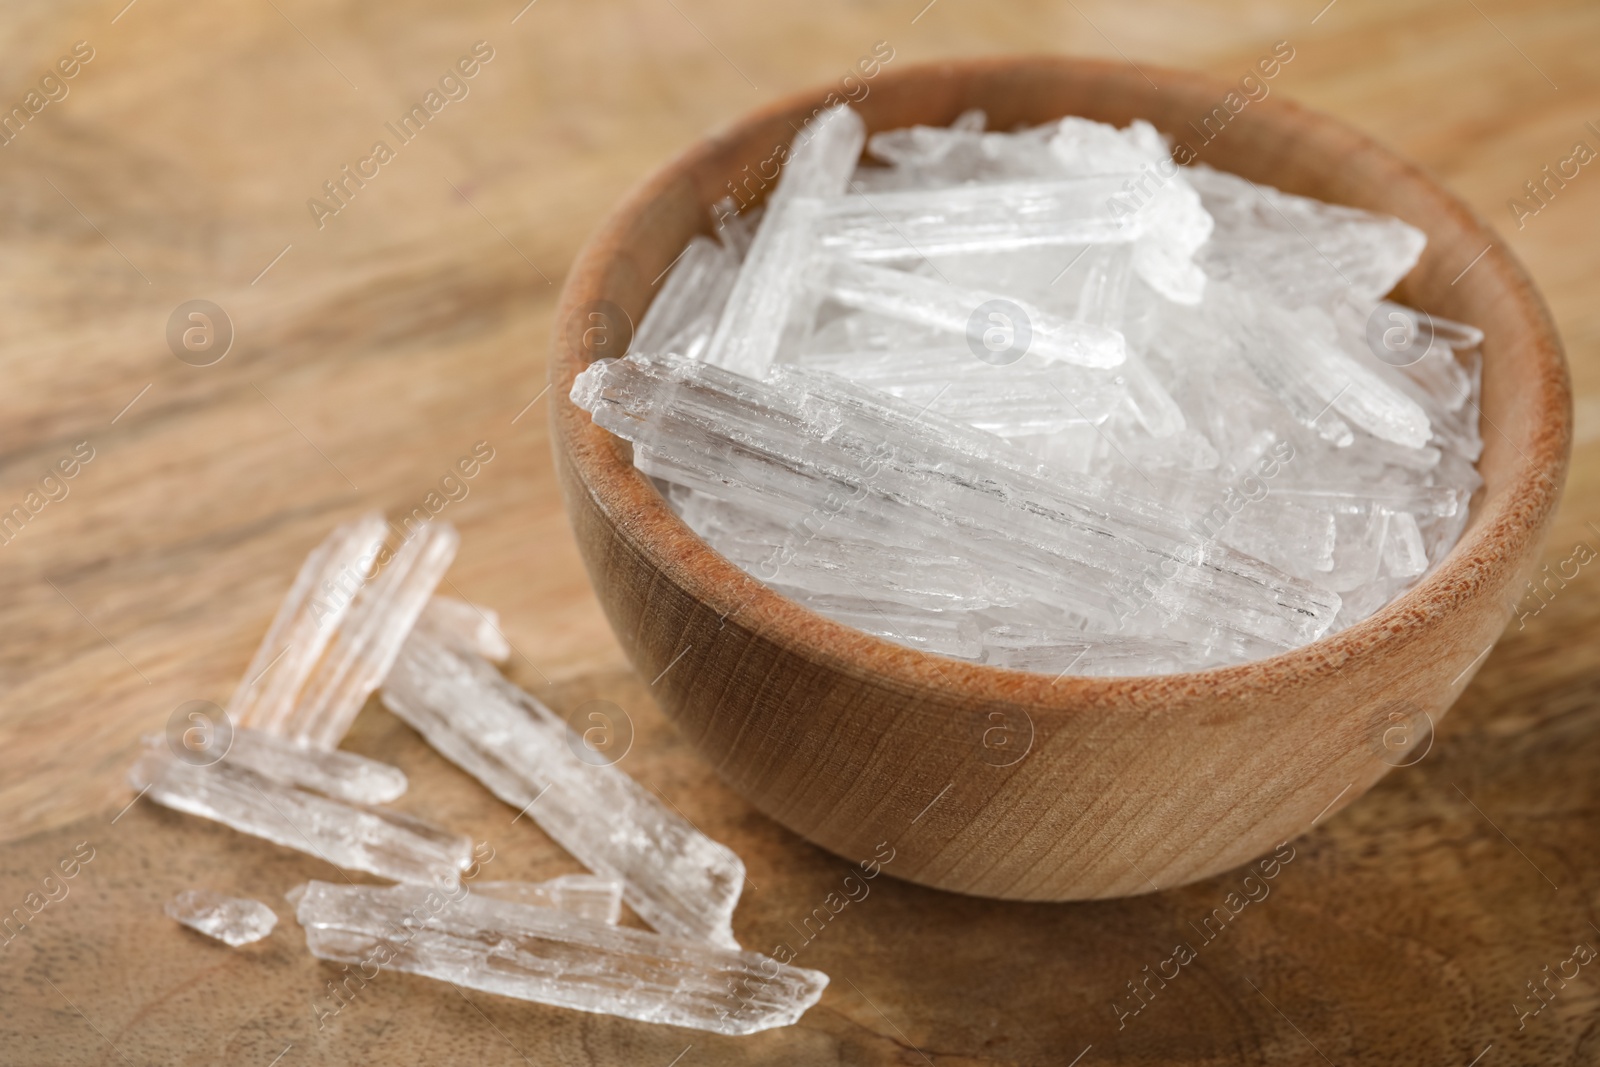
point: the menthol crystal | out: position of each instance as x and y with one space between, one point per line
554 957
587 896
1045 399
232 920
676 878
356 837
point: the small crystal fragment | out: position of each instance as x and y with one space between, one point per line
370 639
357 838
584 895
232 920
916 224
1298 252
553 957
677 879
465 626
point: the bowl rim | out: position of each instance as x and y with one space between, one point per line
1503 527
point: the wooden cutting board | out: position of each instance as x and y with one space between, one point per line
369 354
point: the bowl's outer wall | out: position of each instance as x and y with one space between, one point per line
1015 785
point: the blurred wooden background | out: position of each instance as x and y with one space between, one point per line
373 351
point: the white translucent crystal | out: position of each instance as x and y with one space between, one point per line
584 895
310 614
355 837
918 223
796 442
1175 224
952 309
466 626
370 638
684 314
677 879
331 772
232 920
905 573
1296 251
754 316
553 957
1031 396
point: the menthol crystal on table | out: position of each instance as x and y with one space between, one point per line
677 879
465 626
554 957
356 837
369 640
331 772
587 896
232 920
1047 400
309 616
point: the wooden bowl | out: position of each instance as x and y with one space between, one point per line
1008 784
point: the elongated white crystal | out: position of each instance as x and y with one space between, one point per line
932 302
1103 301
553 957
677 879
341 775
358 838
919 223
310 614
370 639
757 310
956 634
1031 396
905 573
465 626
1175 223
1295 251
584 895
684 314
232 920
797 440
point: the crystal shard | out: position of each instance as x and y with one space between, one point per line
584 895
465 626
336 774
357 838
553 957
752 322
916 224
310 614
232 920
370 639
1297 251
924 301
677 879
684 314
802 440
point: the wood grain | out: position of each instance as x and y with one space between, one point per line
415 323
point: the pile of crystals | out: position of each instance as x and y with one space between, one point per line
362 615
1050 401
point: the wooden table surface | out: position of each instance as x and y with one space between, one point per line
374 346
